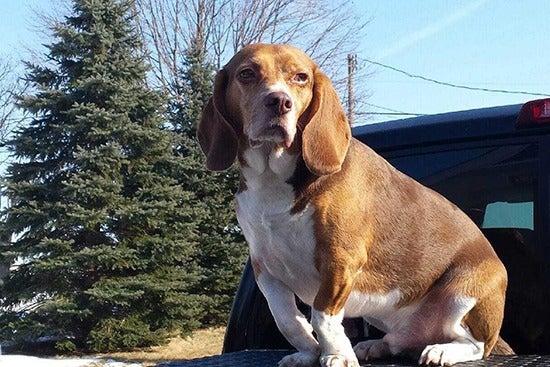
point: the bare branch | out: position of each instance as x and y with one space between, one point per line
11 87
326 29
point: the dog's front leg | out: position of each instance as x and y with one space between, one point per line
327 315
290 321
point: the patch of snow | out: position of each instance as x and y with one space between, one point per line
26 361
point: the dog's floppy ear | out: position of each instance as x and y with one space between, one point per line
327 134
217 138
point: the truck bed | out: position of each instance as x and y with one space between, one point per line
267 358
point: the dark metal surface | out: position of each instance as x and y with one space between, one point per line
248 358
267 358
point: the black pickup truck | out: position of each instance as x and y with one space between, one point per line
494 163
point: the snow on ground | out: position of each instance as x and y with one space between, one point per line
26 361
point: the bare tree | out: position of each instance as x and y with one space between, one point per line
326 29
11 86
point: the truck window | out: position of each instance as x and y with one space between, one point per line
496 187
508 215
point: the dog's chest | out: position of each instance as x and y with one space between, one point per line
281 241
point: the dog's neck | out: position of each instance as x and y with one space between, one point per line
271 169
268 161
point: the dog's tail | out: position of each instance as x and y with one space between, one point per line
502 348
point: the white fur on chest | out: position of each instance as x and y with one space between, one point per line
282 242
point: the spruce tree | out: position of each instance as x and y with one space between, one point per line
103 234
223 250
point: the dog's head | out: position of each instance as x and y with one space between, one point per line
274 94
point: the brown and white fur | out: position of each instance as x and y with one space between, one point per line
329 220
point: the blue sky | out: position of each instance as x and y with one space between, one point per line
20 27
496 44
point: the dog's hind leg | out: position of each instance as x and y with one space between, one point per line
473 328
484 322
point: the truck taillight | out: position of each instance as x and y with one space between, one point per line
534 113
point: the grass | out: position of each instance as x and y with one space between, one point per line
202 343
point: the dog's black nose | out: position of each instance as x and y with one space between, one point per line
278 102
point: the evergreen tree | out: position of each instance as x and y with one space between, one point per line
223 250
104 236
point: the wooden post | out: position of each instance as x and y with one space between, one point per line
352 64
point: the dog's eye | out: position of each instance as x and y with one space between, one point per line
300 78
247 74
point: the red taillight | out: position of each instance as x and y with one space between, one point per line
534 113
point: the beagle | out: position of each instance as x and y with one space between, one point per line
330 221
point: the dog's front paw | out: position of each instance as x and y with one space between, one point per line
338 360
299 359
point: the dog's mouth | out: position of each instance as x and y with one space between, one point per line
276 133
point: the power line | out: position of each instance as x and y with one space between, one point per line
387 114
452 85
391 111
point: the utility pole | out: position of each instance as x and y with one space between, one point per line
352 65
